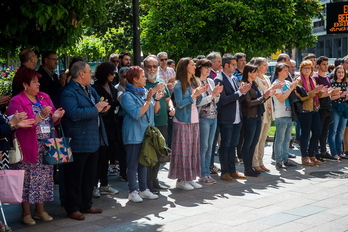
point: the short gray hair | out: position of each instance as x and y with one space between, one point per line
259 60
213 55
149 57
76 68
162 54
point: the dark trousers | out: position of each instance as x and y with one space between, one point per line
227 152
103 163
79 181
310 122
152 173
252 129
325 118
120 150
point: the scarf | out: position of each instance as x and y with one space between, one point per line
316 99
137 91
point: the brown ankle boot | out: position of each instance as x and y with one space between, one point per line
315 161
307 161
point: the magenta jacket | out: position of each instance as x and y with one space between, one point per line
27 136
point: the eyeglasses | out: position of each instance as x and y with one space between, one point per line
55 59
164 59
114 61
151 66
113 73
306 68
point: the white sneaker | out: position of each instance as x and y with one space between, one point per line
134 196
194 184
104 190
96 193
184 185
148 194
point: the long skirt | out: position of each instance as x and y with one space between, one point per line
185 161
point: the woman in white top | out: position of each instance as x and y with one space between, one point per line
263 83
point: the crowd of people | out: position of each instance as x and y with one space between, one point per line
197 105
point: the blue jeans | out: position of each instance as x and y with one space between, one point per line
337 126
207 128
282 138
134 167
252 130
309 122
229 141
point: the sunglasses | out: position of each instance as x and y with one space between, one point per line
151 66
164 59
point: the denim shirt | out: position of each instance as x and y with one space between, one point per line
183 103
134 125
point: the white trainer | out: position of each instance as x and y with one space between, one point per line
104 190
148 194
134 196
184 185
194 184
96 193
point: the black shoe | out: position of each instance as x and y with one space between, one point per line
251 173
290 164
281 165
326 155
292 156
154 190
319 157
159 186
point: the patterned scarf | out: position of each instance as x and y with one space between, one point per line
137 91
316 99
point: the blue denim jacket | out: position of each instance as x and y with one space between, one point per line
183 103
134 125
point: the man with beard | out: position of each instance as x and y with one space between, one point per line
161 119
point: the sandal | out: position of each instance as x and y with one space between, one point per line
206 180
343 156
4 228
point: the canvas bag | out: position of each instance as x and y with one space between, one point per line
15 153
11 186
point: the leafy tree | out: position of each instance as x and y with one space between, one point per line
46 25
117 30
255 27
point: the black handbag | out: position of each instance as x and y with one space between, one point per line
301 91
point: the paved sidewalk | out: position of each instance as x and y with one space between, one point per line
286 200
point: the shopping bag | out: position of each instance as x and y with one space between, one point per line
11 186
15 153
58 150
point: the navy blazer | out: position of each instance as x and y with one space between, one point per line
226 107
80 121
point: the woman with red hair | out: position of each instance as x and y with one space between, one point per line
139 110
38 178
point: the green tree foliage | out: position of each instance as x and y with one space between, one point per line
46 24
255 27
117 31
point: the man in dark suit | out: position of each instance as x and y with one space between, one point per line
83 124
229 117
49 82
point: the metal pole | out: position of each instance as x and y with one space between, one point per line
136 33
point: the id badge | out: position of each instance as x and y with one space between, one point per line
45 129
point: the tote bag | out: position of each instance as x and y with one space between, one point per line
58 150
11 186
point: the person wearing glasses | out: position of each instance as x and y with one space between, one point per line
161 118
50 82
309 118
164 72
105 74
